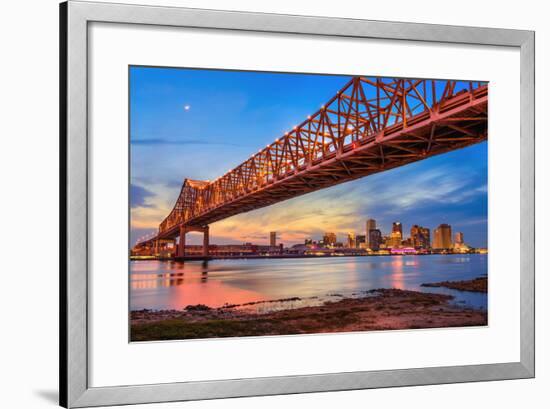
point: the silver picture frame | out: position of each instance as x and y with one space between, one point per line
75 17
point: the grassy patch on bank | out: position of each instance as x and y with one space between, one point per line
220 328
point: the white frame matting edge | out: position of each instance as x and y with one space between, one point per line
74 385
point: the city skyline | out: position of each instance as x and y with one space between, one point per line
169 119
396 242
272 237
456 237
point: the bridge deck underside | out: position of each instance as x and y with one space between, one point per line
428 134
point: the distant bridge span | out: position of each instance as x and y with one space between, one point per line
369 126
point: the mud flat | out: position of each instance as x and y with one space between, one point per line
382 309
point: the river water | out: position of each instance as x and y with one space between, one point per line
309 281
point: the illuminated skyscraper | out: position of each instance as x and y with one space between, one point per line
329 239
273 239
425 232
360 241
459 245
395 239
396 235
397 228
443 237
420 236
375 239
415 233
371 225
351 240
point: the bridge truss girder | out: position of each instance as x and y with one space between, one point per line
369 126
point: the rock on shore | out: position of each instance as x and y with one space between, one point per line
478 285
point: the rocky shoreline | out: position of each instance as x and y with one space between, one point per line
381 309
478 285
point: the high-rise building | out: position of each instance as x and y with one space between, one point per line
427 241
415 234
394 240
273 238
360 241
371 225
397 227
420 237
385 242
396 236
443 237
375 239
459 245
351 240
329 239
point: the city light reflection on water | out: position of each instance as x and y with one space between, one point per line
174 285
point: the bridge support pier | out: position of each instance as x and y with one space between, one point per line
181 245
205 241
205 230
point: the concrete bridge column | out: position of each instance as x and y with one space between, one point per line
181 245
205 241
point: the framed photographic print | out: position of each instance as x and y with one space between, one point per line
258 204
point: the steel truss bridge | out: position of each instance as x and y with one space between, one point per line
369 126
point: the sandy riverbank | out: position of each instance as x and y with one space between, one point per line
383 309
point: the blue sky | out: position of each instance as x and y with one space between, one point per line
198 124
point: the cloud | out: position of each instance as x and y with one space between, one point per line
136 234
151 202
139 196
304 216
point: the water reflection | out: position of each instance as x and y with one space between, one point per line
174 285
396 278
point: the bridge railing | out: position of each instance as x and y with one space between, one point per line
364 108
